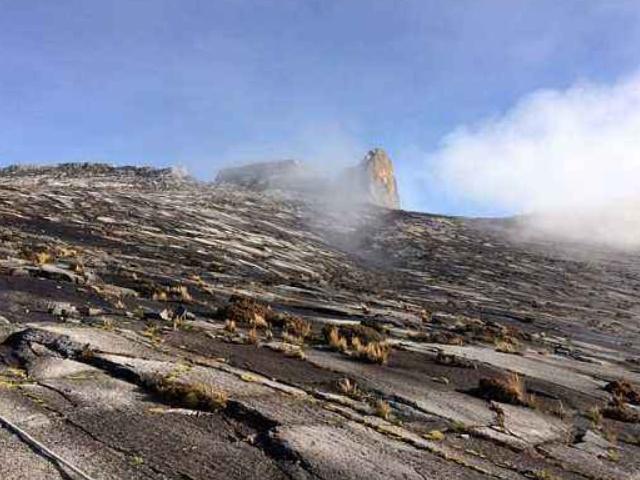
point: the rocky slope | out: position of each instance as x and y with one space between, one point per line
156 327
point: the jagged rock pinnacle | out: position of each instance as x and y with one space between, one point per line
379 178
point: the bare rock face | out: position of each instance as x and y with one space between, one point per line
144 315
375 178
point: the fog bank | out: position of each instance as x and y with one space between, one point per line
570 157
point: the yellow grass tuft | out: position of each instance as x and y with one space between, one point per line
252 336
383 410
374 352
160 296
434 435
337 342
43 257
190 395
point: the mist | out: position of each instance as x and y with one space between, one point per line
324 146
567 159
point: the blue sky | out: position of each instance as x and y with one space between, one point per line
208 83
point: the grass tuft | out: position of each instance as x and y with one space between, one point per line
189 395
230 326
369 351
383 409
509 389
594 414
374 352
434 435
252 336
349 388
337 342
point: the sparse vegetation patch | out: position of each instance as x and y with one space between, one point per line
624 390
373 351
189 395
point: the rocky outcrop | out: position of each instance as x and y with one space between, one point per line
375 180
371 181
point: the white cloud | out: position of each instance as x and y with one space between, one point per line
578 147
